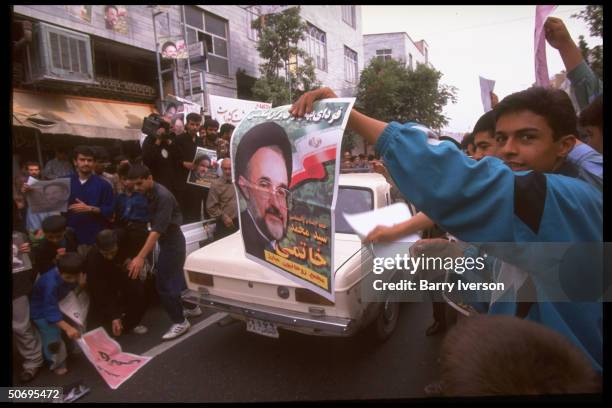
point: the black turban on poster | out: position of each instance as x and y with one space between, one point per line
263 135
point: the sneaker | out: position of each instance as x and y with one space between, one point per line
177 330
140 329
197 311
28 374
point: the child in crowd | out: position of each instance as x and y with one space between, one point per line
57 240
48 291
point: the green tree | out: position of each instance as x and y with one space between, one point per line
279 34
388 90
593 16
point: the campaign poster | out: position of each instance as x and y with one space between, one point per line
181 107
115 366
286 177
204 171
82 13
173 47
231 110
116 19
48 196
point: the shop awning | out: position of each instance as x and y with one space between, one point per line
79 116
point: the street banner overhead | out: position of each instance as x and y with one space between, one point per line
231 110
286 178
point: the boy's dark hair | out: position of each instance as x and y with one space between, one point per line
54 224
31 163
486 123
592 115
211 123
467 140
370 157
70 263
506 355
138 171
106 240
554 105
226 127
86 151
123 170
194 117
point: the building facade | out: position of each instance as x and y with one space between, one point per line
108 55
398 46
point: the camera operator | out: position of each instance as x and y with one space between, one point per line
159 153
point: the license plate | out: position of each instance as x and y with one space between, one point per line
262 327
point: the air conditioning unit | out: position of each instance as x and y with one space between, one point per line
58 54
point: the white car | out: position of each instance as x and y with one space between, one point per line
220 277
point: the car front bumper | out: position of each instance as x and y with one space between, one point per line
287 319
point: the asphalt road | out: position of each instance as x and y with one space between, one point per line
228 364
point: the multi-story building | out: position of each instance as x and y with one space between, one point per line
398 46
100 63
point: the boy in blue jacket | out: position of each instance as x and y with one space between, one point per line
519 197
48 291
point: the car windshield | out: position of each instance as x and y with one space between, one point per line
352 200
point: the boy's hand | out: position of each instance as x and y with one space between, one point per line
25 188
73 333
82 280
494 99
381 233
135 267
117 327
556 33
304 104
24 248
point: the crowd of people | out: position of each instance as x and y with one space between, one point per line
530 171
117 213
524 175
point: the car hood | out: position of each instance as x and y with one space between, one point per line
226 258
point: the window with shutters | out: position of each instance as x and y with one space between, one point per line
66 54
212 31
316 46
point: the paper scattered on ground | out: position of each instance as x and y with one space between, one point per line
105 354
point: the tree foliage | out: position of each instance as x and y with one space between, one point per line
279 34
593 16
388 90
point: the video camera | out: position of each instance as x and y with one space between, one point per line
152 123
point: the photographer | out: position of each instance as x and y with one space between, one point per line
159 153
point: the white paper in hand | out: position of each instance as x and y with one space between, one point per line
486 87
364 223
